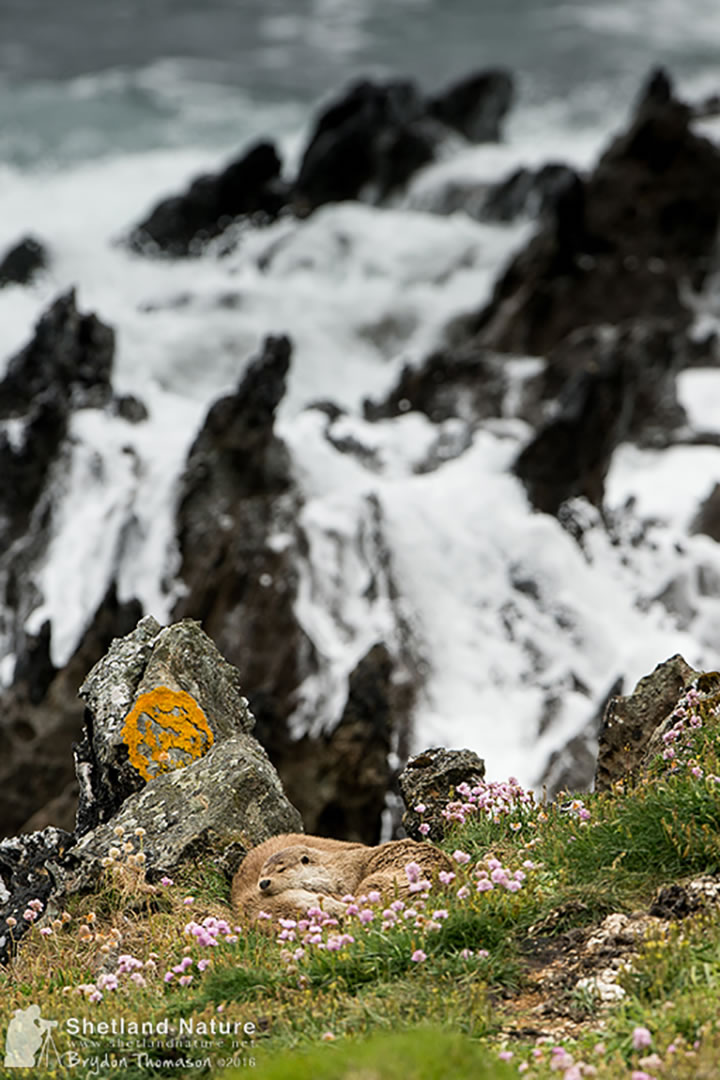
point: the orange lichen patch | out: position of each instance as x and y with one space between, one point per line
166 729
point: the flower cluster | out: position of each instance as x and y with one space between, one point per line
410 921
559 1060
680 742
495 800
129 971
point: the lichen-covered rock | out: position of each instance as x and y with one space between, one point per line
24 877
430 779
157 701
629 734
214 810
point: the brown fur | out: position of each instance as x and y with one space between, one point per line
298 872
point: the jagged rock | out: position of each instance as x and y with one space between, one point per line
70 354
24 877
375 135
572 768
476 105
213 810
430 778
707 519
468 383
237 454
527 192
67 365
653 350
250 187
630 723
242 548
571 453
21 263
239 541
620 245
41 717
340 780
158 700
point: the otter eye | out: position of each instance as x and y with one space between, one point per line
305 859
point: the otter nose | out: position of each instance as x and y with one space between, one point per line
265 883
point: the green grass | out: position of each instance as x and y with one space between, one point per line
369 1010
417 1054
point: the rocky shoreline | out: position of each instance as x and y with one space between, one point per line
604 291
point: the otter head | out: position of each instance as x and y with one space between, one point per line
296 867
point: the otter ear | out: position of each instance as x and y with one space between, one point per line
305 859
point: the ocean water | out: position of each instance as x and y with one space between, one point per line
106 108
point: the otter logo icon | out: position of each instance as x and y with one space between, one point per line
26 1034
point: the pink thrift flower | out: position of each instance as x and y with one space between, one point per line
366 915
46 931
185 980
482 886
461 856
641 1038
412 870
138 979
463 892
445 877
420 808
418 957
166 881
505 1055
424 828
374 897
